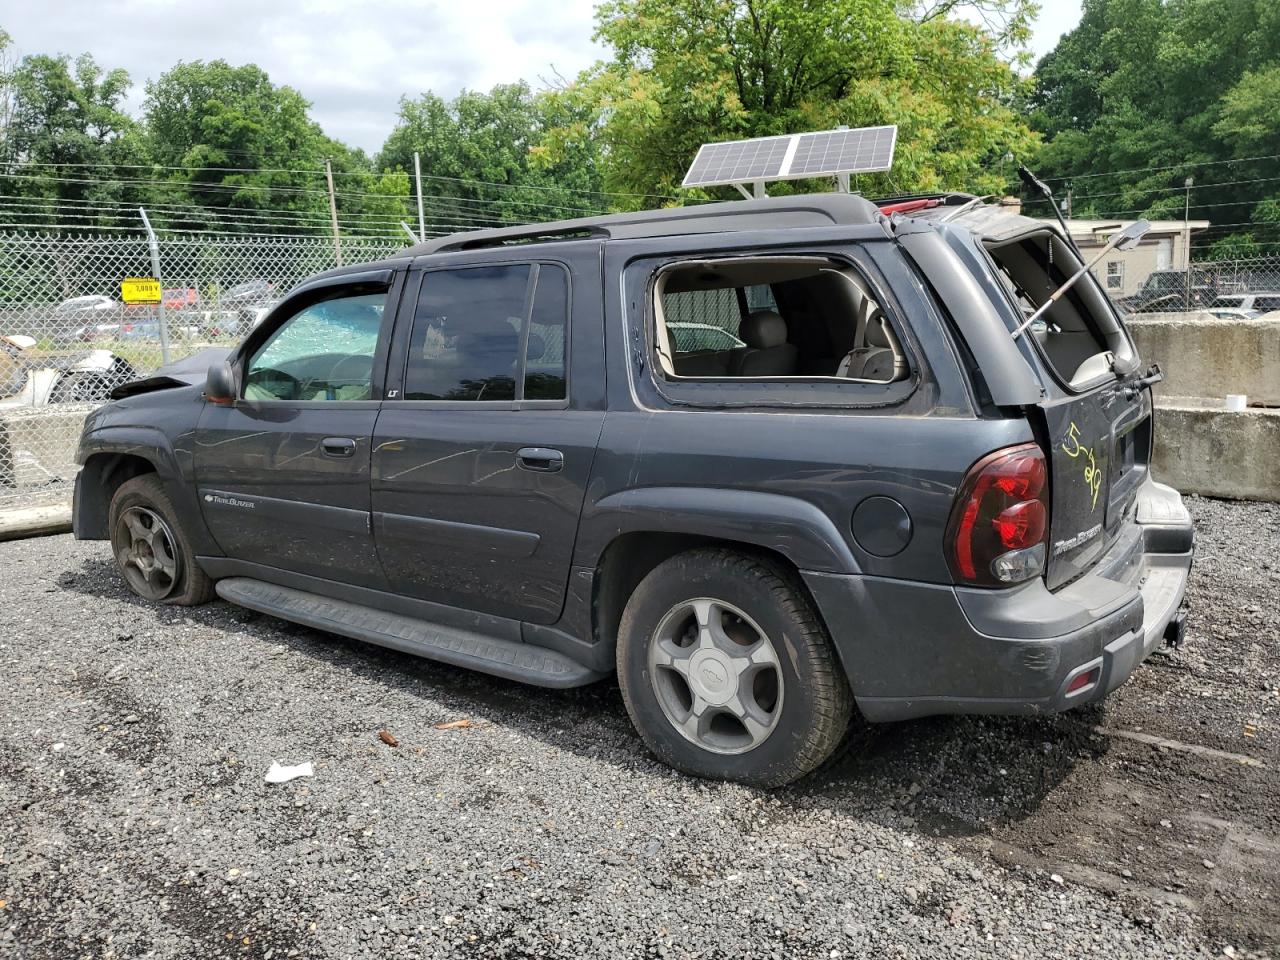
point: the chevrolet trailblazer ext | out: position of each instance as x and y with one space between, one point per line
488 451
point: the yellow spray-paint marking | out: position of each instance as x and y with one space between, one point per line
1072 447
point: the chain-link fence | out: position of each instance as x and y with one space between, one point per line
66 338
1251 285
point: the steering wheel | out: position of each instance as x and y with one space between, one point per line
269 374
362 377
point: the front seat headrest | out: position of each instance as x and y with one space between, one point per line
763 329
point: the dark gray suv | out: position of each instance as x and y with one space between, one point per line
869 497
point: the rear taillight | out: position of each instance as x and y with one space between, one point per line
1000 521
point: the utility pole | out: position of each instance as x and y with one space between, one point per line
417 176
1186 237
1070 189
333 214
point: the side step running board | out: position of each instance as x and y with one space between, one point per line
462 648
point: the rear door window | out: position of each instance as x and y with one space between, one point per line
489 333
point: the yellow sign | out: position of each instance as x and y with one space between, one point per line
140 290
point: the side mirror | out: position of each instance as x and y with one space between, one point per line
220 384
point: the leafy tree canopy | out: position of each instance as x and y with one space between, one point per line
687 72
68 147
482 159
1144 93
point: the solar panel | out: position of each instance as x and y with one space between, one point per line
737 161
865 150
795 157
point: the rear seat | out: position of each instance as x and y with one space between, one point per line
766 354
704 363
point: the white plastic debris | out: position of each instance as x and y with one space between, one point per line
281 774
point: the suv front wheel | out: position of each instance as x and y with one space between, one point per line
727 672
151 548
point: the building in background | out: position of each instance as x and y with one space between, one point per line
1122 272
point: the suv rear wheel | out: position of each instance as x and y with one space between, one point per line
727 672
151 548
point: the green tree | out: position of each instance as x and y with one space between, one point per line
1144 93
686 72
244 154
69 151
483 159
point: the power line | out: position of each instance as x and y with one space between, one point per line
1174 166
349 173
272 188
111 208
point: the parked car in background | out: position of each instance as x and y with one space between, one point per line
1255 304
30 377
239 309
690 337
248 293
1166 290
179 298
1231 313
149 329
87 318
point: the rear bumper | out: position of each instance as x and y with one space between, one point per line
913 649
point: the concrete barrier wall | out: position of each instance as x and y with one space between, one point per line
1218 454
1205 357
38 444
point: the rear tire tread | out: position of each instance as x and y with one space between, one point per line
832 700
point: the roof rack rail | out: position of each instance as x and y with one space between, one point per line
800 210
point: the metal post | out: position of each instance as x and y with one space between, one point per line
1070 190
155 269
412 235
333 214
1186 238
417 176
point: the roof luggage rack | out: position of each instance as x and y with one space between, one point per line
801 210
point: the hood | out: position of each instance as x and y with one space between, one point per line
186 372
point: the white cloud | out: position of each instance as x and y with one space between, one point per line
353 60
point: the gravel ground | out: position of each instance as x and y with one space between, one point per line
134 820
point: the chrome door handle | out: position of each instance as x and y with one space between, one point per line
338 446
543 459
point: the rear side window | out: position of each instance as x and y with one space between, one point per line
773 317
1266 304
489 333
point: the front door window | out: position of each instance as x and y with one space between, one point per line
323 352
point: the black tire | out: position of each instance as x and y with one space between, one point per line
813 705
142 498
81 388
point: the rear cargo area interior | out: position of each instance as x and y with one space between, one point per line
773 317
1079 335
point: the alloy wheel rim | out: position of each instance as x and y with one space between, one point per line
147 553
716 675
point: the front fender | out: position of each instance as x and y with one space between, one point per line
791 527
149 443
102 454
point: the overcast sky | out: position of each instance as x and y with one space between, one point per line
351 58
